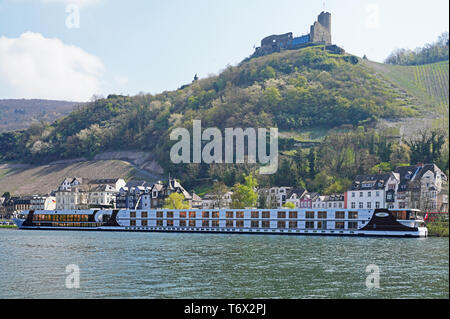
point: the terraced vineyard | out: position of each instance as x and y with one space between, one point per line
428 84
433 78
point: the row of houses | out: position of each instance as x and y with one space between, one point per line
421 186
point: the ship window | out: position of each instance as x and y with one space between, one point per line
132 214
191 214
309 214
255 224
215 214
322 225
205 223
191 223
132 223
309 225
159 223
293 215
144 223
340 215
169 214
265 224
229 223
255 215
293 224
144 215
182 214
183 223
205 214
239 223
352 225
281 224
322 215
265 214
159 214
239 214
352 215
281 214
229 214
340 225
215 223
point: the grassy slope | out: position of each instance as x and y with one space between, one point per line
45 178
427 83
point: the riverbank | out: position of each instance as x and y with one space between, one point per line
438 229
8 226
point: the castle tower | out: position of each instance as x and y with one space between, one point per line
325 20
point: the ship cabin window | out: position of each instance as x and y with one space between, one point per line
132 223
265 224
205 223
159 214
132 214
254 224
400 214
205 214
144 223
340 215
229 214
352 225
293 224
293 215
321 225
191 223
144 215
170 223
309 225
169 214
159 223
281 214
215 214
265 214
182 214
215 223
353 215
309 215
239 214
240 224
339 225
281 224
183 223
229 223
191 214
255 214
322 215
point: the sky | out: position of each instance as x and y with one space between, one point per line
74 49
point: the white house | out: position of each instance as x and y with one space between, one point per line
373 191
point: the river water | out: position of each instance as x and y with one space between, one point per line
168 265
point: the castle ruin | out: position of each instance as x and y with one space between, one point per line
320 33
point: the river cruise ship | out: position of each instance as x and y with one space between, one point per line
351 222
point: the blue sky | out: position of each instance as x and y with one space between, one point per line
133 46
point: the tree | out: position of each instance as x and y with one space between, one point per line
244 195
6 195
175 201
289 205
218 192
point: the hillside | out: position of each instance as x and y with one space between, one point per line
428 84
25 179
17 114
311 95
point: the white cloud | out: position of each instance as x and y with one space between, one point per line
33 66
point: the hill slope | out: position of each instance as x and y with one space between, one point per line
17 114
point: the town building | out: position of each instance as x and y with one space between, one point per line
422 186
374 191
211 201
